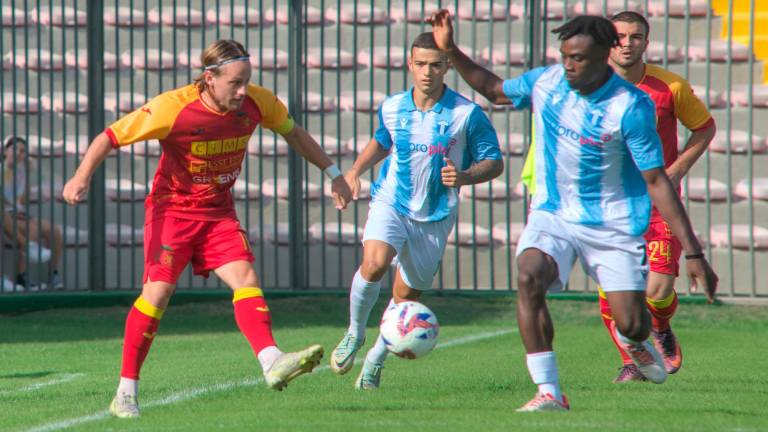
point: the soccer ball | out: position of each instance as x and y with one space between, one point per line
409 329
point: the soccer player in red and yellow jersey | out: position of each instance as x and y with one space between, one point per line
204 129
674 101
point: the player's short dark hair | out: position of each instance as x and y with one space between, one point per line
600 29
12 140
632 18
425 40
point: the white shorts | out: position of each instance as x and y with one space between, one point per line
419 245
615 260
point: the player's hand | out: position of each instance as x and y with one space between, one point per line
442 29
675 179
451 176
341 193
75 190
353 180
702 275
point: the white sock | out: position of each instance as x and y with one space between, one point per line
378 353
128 386
362 296
267 357
543 369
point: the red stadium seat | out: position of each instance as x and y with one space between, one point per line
331 145
347 234
697 190
481 11
414 12
123 17
605 7
500 230
43 192
740 142
75 144
329 58
313 16
32 60
78 58
58 16
236 16
500 51
121 102
655 53
190 58
498 192
149 148
124 190
716 98
152 59
279 189
277 235
697 51
243 190
13 17
21 105
363 194
512 144
482 236
75 237
267 145
739 236
556 10
65 102
759 189
740 95
185 17
384 57
268 58
363 100
365 14
313 102
677 8
358 143
123 235
39 146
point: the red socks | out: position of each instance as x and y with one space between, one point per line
140 329
253 319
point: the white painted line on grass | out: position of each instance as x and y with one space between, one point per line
187 394
36 386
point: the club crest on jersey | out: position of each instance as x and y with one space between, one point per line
403 122
443 124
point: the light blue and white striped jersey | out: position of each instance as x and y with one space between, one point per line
590 149
410 178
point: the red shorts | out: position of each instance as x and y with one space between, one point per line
663 249
170 243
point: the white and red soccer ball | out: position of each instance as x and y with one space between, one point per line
409 329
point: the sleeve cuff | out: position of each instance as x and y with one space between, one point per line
285 127
112 137
709 123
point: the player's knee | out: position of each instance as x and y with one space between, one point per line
530 287
373 269
636 327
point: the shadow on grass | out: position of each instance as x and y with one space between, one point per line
40 374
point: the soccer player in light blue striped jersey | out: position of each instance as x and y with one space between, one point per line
599 164
432 141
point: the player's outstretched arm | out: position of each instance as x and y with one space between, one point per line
482 80
666 200
309 149
696 146
76 188
372 154
480 172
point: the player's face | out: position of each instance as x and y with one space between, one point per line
428 68
228 88
15 152
633 42
584 62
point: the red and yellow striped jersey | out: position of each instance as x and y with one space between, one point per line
203 149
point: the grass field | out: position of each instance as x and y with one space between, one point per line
59 369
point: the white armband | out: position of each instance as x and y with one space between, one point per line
332 171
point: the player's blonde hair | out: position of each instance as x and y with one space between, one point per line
216 54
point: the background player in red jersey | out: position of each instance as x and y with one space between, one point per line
674 101
190 216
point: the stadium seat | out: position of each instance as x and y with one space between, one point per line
313 102
74 236
384 57
121 17
500 230
363 194
363 100
498 56
21 105
236 16
277 235
357 144
78 58
32 60
13 17
655 53
482 236
414 13
312 16
677 8
279 189
365 14
697 51
331 145
58 16
739 236
190 58
245 190
759 189
44 191
149 148
482 11
268 58
124 190
347 234
739 142
716 98
697 190
40 146
185 17
65 102
152 59
267 145
512 144
121 102
485 104
75 144
123 235
498 192
556 10
329 58
740 95
605 7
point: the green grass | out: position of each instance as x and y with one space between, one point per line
201 374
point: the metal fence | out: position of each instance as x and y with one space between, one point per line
70 68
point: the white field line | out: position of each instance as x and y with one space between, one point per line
187 394
36 386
